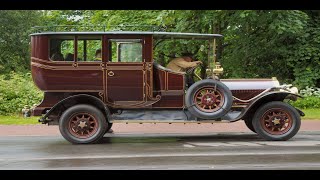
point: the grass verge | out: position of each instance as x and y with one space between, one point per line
313 114
18 120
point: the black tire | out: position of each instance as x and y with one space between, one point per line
108 128
82 114
248 122
216 88
269 117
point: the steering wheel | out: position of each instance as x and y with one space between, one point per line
190 71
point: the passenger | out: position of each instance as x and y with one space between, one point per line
182 64
57 57
69 57
98 56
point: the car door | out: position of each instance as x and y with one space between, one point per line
125 75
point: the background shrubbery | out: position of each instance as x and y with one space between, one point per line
311 98
16 91
307 102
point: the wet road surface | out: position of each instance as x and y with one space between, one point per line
162 151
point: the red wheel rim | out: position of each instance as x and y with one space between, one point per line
276 121
208 99
83 125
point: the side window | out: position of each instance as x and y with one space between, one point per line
123 50
61 49
67 50
89 50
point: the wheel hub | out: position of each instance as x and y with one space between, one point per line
276 121
83 125
208 99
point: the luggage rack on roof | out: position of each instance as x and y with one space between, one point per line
104 28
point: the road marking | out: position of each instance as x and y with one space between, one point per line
257 143
218 144
245 143
188 145
215 144
226 144
290 143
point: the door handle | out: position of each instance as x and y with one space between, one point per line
110 73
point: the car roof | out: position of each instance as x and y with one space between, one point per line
156 35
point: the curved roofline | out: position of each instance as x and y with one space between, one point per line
155 34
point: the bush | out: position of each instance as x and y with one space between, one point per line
309 91
311 98
16 91
307 102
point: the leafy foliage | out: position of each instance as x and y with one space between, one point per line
309 91
311 98
14 39
16 91
260 43
256 43
305 57
307 102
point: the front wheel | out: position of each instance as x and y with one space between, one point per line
82 124
277 121
248 122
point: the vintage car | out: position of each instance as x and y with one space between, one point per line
85 95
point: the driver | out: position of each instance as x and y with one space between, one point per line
181 64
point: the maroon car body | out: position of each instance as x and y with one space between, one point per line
134 88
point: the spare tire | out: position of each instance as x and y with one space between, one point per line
208 99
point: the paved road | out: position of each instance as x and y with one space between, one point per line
162 151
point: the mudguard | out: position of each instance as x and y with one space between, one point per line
270 96
78 99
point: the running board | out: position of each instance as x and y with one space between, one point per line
168 116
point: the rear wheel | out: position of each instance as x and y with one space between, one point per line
276 121
109 127
82 124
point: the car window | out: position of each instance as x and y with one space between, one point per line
89 50
126 50
61 49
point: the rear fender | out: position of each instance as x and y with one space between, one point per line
64 104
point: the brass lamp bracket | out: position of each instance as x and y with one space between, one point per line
218 70
215 72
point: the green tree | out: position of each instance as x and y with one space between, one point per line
260 42
14 39
305 58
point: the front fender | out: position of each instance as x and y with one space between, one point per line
268 97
